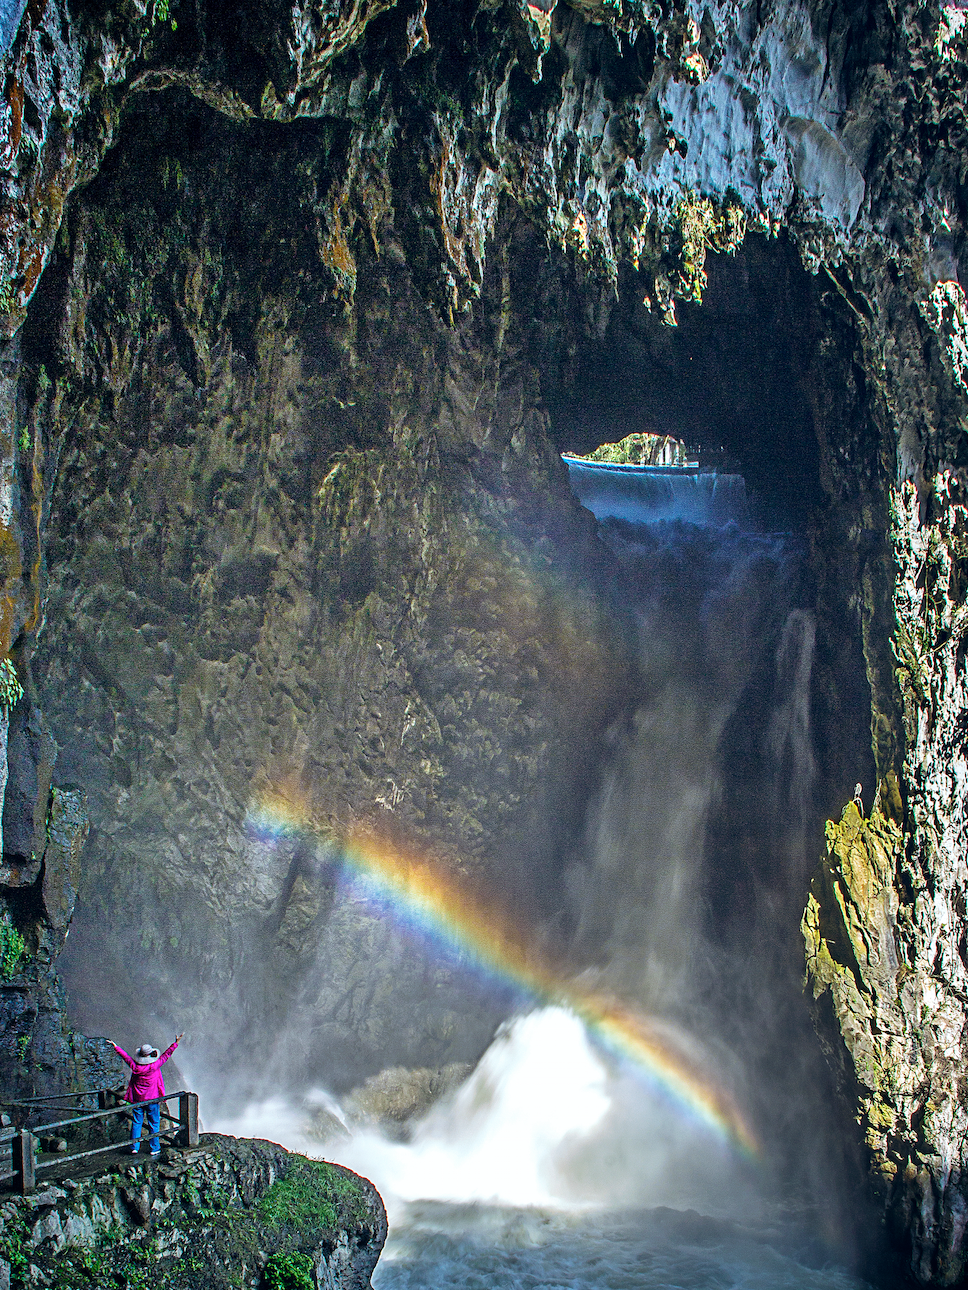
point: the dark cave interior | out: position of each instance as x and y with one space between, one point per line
763 375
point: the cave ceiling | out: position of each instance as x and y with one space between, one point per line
301 304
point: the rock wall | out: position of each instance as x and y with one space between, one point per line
310 557
281 379
40 1053
229 1213
885 921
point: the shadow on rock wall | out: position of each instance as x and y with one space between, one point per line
296 552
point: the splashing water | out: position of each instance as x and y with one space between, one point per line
578 1152
542 1120
510 1183
469 1248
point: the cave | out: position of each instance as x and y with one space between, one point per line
760 374
301 601
229 525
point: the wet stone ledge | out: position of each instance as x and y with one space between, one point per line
231 1213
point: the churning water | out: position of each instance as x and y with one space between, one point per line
555 1165
550 1170
467 1248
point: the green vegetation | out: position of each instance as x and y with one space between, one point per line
122 1260
312 1197
312 1192
11 691
290 1272
116 1261
13 1238
12 949
28 150
704 226
641 450
160 11
172 175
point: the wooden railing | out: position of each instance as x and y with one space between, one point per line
19 1163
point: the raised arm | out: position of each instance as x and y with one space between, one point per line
168 1051
122 1054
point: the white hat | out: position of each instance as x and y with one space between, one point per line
146 1054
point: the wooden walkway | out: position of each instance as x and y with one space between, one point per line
23 1165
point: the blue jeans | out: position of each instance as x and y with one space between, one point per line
138 1111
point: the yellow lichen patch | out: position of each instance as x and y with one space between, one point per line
577 235
704 225
8 611
863 851
10 562
823 970
880 1116
337 256
849 927
11 568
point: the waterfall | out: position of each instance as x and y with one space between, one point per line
719 632
663 492
547 1165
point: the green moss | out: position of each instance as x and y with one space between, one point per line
313 1192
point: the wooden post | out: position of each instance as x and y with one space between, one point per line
188 1120
24 1162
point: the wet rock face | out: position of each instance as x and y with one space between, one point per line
228 1213
885 921
40 1053
302 556
298 285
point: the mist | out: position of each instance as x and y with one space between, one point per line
682 898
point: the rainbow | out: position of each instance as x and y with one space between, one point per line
425 896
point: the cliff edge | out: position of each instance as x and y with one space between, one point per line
227 1213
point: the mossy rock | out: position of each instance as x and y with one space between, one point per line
232 1213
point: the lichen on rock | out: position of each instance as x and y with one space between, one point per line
228 1213
884 923
294 303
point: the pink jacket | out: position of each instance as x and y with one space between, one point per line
146 1081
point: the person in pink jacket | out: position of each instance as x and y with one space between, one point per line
146 1082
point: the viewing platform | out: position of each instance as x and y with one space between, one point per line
23 1159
